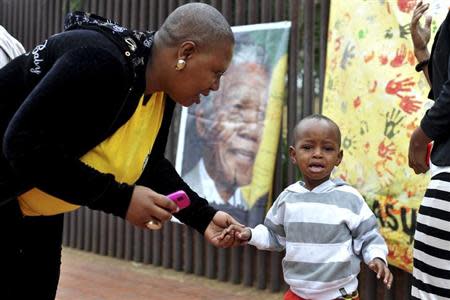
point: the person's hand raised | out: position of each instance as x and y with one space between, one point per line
147 205
214 233
420 35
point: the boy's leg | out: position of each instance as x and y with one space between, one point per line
31 254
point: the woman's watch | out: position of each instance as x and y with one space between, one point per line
421 65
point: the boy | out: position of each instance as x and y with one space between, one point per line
325 225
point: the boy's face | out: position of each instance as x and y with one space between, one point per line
316 151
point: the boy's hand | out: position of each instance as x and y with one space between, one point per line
243 234
378 266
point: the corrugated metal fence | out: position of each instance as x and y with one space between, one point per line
177 246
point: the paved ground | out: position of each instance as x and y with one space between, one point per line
87 276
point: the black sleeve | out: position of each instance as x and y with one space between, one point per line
436 121
74 103
161 176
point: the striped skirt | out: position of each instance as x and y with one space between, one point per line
431 273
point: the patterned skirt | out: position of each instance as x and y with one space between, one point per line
431 273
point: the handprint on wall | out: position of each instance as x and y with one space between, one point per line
383 59
399 58
405 32
364 127
373 87
385 175
337 44
394 87
356 102
409 104
411 58
393 119
349 54
386 151
406 6
410 127
369 57
389 34
348 143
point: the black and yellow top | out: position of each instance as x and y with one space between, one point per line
118 155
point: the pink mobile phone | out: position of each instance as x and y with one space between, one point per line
180 198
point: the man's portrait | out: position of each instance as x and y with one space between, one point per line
222 138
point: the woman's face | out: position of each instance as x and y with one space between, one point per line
202 73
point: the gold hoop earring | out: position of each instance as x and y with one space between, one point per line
181 63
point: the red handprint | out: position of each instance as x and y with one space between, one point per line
409 104
337 43
366 147
333 63
357 102
399 57
394 87
385 151
383 59
406 5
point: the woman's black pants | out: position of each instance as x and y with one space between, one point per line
30 254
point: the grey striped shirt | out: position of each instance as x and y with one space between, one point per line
326 233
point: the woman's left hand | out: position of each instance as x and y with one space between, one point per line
418 151
218 224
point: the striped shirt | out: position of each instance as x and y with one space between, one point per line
326 232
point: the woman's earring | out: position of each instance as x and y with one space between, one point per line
181 63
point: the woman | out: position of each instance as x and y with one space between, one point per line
85 118
431 271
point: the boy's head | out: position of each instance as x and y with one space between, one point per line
316 149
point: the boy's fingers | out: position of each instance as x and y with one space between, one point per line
379 272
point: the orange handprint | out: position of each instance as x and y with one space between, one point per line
399 57
411 58
373 88
409 104
369 57
385 174
410 127
395 87
385 151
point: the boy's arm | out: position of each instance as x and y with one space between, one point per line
271 236
367 240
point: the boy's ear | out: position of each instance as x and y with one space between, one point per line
292 154
340 156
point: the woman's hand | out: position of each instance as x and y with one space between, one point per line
420 35
214 233
417 154
147 205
